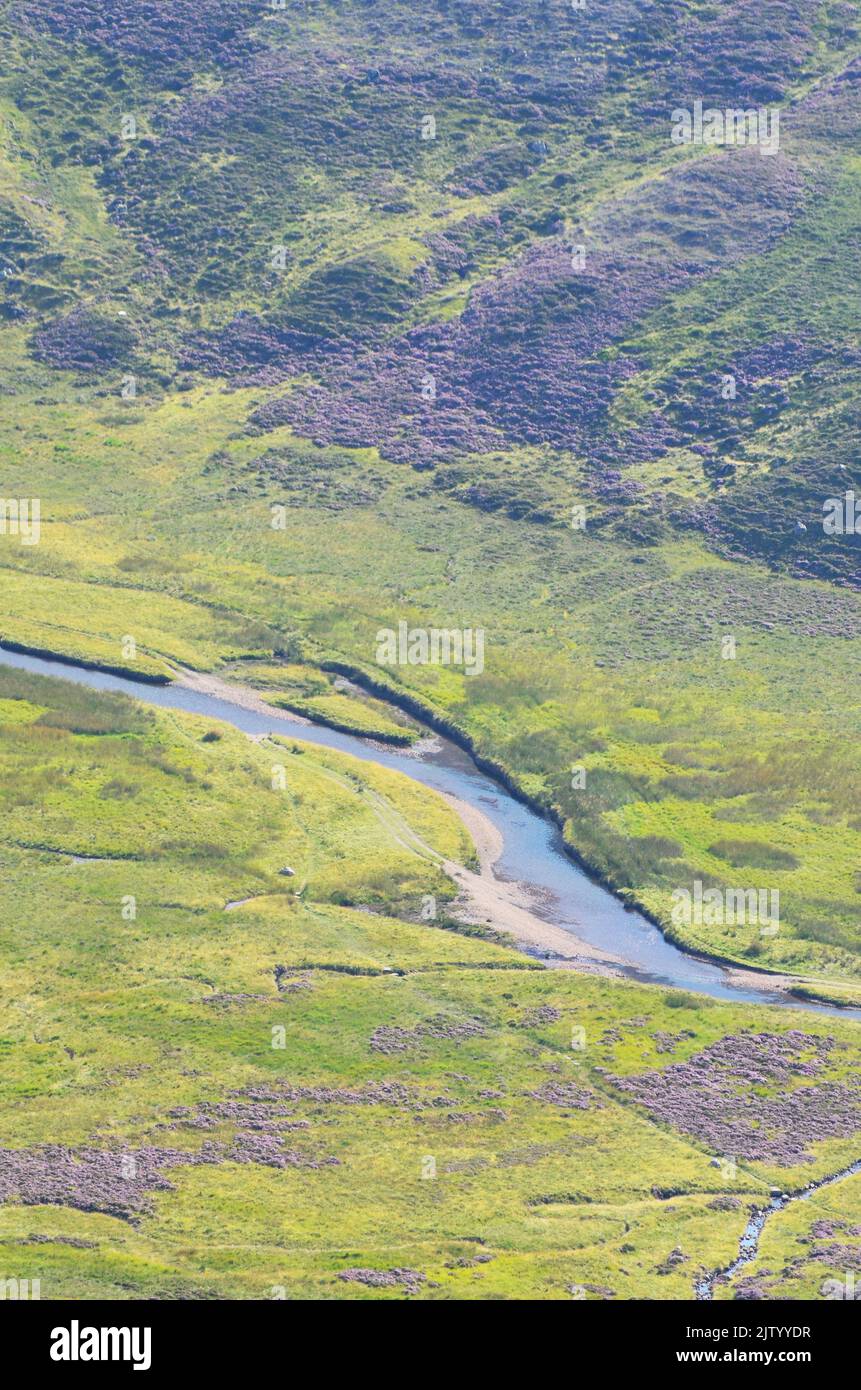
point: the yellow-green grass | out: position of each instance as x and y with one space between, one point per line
542 702
347 713
591 660
107 1030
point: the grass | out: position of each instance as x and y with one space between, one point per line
108 1030
605 646
676 683
678 742
348 714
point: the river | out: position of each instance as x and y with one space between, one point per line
533 854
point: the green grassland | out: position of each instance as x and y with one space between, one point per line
605 646
591 660
107 1033
693 649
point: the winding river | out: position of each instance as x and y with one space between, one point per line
532 853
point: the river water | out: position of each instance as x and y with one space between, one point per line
532 846
748 1246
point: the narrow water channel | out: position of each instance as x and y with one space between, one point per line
748 1246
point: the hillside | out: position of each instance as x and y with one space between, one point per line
258 277
320 320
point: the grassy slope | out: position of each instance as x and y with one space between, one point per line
157 510
107 1031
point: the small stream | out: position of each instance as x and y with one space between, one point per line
533 854
748 1246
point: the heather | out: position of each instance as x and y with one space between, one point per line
726 1097
317 320
322 1080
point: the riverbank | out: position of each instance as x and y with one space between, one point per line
487 900
484 898
569 921
741 975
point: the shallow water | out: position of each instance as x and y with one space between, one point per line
532 847
748 1246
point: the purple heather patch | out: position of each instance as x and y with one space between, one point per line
568 1095
253 352
410 1280
118 1181
534 1018
716 1096
388 1040
518 365
85 340
529 361
114 1181
152 31
724 1204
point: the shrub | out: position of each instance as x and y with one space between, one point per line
754 854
